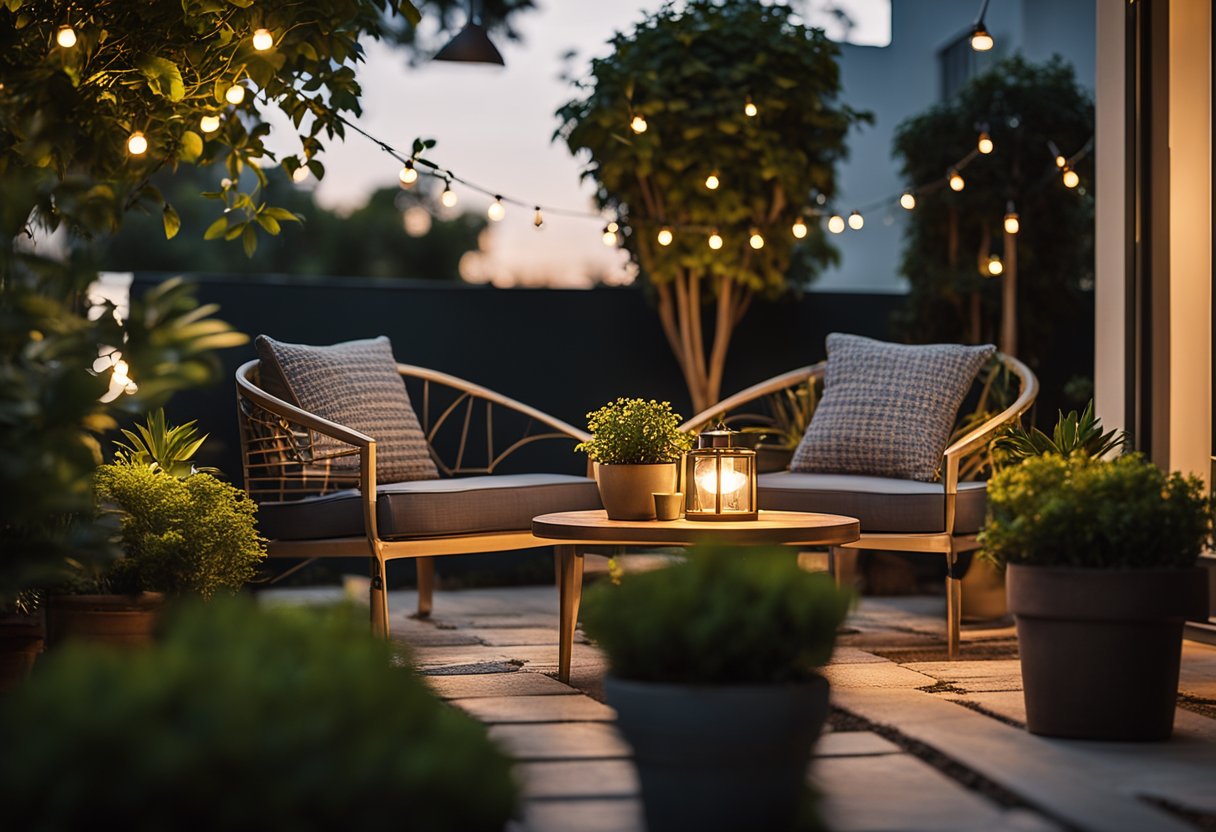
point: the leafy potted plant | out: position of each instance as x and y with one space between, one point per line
239 717
182 532
1101 576
713 677
636 446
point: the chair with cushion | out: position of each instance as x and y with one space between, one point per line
342 465
878 448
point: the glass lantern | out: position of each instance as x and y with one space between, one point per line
720 478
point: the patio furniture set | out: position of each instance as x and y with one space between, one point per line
871 472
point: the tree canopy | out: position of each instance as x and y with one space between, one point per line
738 91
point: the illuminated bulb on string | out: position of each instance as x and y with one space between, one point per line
755 240
984 145
262 40
538 219
1012 226
981 40
638 124
137 144
408 175
497 210
957 182
836 224
907 201
1071 179
448 198
856 220
712 182
715 241
665 236
1061 161
209 124
609 237
299 174
749 109
994 266
66 37
799 228
235 94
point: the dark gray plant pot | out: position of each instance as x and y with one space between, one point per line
724 757
1100 648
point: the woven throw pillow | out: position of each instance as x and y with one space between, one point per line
887 409
355 384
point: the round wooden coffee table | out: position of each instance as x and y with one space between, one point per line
572 529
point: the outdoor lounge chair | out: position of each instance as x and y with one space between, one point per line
321 492
897 514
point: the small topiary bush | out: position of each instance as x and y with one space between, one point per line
727 615
1127 513
245 719
635 431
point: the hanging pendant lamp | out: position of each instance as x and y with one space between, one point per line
471 44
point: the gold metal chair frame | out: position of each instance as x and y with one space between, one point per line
289 453
946 542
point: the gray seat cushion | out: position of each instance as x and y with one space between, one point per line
887 409
431 508
881 504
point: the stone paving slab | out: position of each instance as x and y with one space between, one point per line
520 709
854 744
496 621
578 779
612 815
513 636
561 741
1198 676
880 674
1043 772
853 655
498 684
975 676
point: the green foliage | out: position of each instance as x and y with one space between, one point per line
1024 106
1052 510
792 410
160 447
635 431
195 535
238 719
1072 434
727 615
688 69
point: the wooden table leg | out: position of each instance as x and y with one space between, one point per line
570 562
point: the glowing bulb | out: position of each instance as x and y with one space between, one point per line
137 144
984 145
66 37
1061 161
732 480
1071 180
448 198
956 180
981 41
750 109
799 229
613 227
638 124
609 237
715 241
209 124
120 373
497 210
299 174
994 266
756 241
1012 226
665 236
538 219
235 94
408 175
856 220
907 201
712 182
836 223
262 40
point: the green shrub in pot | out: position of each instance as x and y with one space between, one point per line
240 718
714 679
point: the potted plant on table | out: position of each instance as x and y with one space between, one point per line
182 532
713 677
1101 576
636 446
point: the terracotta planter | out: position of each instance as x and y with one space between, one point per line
627 490
720 757
22 638
1100 648
104 619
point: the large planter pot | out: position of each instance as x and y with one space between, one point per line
105 619
22 638
1100 648
723 757
627 490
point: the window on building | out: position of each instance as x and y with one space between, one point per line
955 65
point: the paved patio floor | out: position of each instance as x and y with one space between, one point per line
917 743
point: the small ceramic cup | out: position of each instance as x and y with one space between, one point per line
668 506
